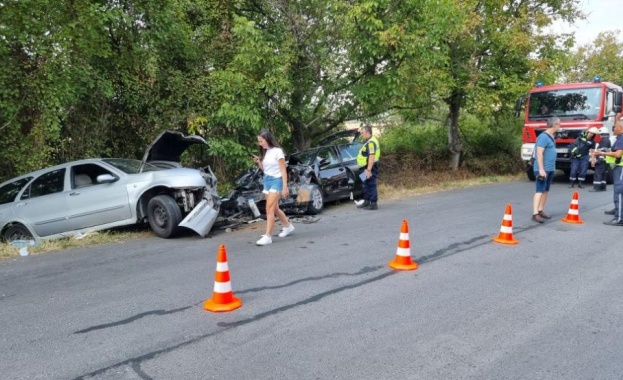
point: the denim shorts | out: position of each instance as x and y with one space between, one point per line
272 184
543 186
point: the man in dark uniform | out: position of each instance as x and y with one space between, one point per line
580 156
599 177
617 173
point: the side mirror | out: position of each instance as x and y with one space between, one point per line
106 178
617 100
518 105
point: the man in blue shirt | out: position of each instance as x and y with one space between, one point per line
544 168
617 173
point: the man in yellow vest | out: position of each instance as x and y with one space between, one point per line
617 172
368 158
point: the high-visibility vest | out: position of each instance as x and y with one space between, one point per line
362 160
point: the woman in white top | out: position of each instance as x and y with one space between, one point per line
273 164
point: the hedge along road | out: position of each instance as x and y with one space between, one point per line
323 303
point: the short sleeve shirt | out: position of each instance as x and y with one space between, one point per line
270 163
618 143
549 154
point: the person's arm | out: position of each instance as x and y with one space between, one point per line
369 166
539 160
615 153
257 160
371 154
284 177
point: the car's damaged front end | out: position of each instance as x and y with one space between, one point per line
247 197
201 215
201 206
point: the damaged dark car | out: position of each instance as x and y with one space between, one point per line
316 176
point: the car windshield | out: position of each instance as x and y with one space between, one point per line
130 166
9 191
581 104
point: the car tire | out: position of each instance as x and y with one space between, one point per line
316 201
164 215
16 232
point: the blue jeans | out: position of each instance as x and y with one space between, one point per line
272 184
617 174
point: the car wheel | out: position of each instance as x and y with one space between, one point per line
16 232
316 201
164 215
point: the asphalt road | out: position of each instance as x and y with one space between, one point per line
323 303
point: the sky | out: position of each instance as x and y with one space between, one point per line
602 15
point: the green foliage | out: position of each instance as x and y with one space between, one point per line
491 146
82 78
428 140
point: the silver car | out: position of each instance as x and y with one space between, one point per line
101 193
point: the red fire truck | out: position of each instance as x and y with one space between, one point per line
579 106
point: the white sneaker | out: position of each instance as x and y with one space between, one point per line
285 231
265 240
359 202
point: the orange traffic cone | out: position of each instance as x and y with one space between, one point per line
573 216
223 297
506 230
402 261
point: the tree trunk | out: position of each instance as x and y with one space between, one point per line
455 146
300 139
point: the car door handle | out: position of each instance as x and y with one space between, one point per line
74 193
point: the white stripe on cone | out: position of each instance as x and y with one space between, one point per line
222 267
403 252
222 287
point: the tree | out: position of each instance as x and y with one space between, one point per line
305 67
602 57
489 56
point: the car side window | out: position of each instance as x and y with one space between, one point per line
329 155
9 191
48 183
85 175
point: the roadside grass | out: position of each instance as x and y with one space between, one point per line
390 187
93 238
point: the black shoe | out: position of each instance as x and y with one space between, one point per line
371 206
537 218
544 215
572 185
614 222
364 204
609 212
580 186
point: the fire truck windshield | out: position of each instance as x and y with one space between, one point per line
577 104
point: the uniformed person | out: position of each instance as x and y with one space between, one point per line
368 158
617 173
601 167
580 156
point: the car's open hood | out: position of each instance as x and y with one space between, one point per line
169 146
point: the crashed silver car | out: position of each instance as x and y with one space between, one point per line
101 193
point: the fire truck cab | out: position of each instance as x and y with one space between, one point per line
579 106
